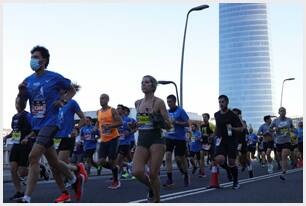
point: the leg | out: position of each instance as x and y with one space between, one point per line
156 160
140 158
15 176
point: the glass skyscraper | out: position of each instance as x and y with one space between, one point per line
245 73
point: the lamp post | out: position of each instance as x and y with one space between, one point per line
289 79
198 8
171 82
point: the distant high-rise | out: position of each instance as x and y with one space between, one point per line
245 73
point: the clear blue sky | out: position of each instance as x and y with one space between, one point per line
108 47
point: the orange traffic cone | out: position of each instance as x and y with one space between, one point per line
214 179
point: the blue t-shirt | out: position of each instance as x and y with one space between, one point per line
299 134
124 140
252 139
177 132
195 143
66 118
131 137
88 134
42 92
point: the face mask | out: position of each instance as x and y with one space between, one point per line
35 65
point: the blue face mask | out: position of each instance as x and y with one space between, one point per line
35 65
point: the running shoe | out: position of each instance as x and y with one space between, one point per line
22 200
115 185
251 175
78 187
82 170
282 176
150 195
236 185
168 183
17 196
65 197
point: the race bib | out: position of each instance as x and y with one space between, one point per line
193 139
39 108
144 122
16 136
122 137
218 141
56 142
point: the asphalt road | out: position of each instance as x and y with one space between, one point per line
263 188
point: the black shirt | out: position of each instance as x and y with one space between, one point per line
206 132
222 120
21 123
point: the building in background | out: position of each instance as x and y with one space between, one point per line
245 72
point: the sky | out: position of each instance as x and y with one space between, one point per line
109 47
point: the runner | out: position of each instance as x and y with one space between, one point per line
252 140
195 147
42 89
175 140
152 116
282 127
124 142
228 129
207 130
89 134
294 151
21 127
268 143
299 133
108 123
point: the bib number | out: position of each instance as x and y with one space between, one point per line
16 136
56 142
39 108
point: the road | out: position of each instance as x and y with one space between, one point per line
263 188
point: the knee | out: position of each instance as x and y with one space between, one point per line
33 159
137 172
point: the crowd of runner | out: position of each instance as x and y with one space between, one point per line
109 143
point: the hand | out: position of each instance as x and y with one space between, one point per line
25 141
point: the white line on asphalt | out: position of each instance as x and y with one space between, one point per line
224 185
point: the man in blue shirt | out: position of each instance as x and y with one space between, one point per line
42 89
176 140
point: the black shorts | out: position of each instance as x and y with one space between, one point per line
268 145
89 153
252 149
300 146
227 149
45 136
132 144
192 154
20 154
280 147
66 144
108 149
147 138
124 150
179 147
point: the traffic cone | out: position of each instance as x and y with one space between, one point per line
214 178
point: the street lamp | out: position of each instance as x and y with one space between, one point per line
198 8
289 79
171 82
